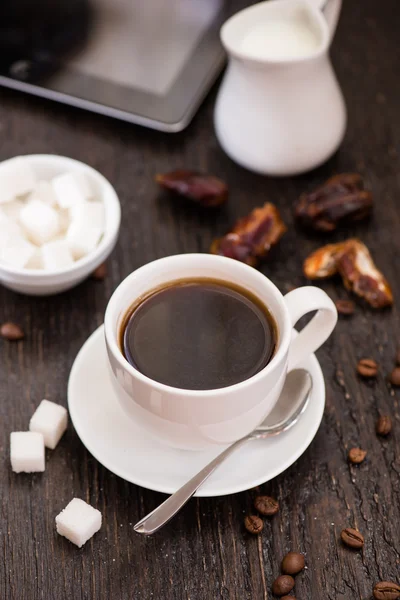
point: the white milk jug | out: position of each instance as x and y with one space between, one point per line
280 110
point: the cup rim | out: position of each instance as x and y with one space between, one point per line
112 336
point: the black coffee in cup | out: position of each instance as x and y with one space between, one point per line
198 334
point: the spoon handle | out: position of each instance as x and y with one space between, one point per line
168 509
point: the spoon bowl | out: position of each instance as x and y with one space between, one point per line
290 406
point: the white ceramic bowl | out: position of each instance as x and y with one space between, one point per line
39 282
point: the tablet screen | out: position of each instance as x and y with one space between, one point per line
144 43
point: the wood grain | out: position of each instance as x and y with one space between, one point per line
205 554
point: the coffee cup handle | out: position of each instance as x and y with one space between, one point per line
300 302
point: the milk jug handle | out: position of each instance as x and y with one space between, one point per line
331 10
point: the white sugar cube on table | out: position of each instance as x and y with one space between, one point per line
27 452
16 251
39 221
56 255
71 189
17 178
82 238
51 421
78 522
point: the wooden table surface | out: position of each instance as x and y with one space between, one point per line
205 554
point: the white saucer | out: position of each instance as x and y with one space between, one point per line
128 451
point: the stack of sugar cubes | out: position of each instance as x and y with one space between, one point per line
46 225
79 521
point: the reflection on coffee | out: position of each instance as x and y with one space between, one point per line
198 334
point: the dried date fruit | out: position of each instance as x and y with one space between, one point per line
203 189
323 262
345 307
340 199
352 260
361 276
11 331
253 236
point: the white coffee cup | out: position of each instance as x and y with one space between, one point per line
193 419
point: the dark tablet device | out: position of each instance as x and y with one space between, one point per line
150 62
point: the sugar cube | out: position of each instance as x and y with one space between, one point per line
88 213
44 191
71 189
16 179
57 221
39 221
56 255
27 451
15 251
82 238
78 522
51 421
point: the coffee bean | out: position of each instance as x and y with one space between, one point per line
282 585
386 590
266 505
384 425
253 524
345 307
395 376
357 455
352 538
288 598
11 331
367 367
100 273
293 563
398 356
